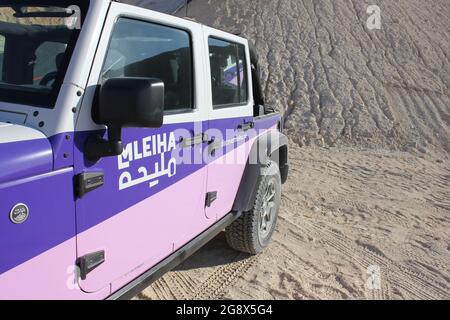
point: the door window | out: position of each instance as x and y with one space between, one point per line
228 73
142 49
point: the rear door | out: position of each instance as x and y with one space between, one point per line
152 200
230 117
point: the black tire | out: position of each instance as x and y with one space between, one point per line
247 234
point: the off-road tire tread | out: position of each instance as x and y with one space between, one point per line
242 234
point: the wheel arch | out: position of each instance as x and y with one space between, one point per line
272 145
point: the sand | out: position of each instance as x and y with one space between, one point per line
354 224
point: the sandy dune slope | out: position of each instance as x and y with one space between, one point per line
339 81
358 224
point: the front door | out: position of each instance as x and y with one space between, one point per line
230 118
151 202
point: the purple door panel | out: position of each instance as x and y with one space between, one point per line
146 233
135 217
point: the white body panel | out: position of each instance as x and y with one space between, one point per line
15 133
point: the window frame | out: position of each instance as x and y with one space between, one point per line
1 62
240 103
185 110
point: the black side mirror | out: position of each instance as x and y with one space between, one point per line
122 103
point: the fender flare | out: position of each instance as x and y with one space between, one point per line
272 145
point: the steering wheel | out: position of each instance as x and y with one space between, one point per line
48 78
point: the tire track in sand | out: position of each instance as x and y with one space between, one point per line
417 284
181 286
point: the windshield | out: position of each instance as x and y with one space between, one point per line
36 43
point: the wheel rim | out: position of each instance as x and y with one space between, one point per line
267 214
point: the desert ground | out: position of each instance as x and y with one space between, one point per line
345 214
366 210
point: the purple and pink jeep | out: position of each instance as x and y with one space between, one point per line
128 139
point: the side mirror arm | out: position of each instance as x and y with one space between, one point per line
96 147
